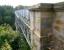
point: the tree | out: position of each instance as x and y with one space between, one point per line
7 36
7 15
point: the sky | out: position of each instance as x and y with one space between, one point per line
15 3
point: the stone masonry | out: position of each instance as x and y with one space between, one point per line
42 25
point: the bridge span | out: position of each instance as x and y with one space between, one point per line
42 25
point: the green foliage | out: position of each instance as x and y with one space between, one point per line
22 43
10 39
7 19
7 36
6 46
7 32
7 15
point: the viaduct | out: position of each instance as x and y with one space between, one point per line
42 25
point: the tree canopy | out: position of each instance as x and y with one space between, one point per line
7 36
7 15
6 12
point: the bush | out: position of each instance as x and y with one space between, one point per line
23 45
11 40
6 46
7 36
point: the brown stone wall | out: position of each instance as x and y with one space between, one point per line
48 38
47 18
36 42
57 41
46 22
37 27
55 44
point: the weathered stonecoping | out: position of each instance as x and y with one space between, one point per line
59 6
48 7
42 7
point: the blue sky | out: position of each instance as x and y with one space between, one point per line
26 2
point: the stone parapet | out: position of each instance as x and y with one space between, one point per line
59 6
42 7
